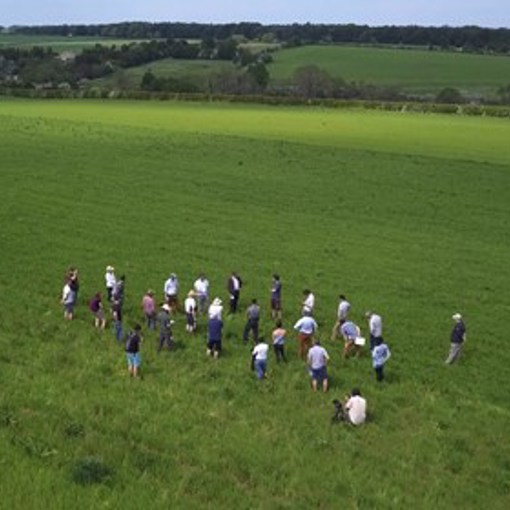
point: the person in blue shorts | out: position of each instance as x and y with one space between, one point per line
134 339
317 361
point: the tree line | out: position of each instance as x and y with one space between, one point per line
468 38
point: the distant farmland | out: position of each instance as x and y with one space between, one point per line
59 43
412 70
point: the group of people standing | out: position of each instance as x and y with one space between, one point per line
198 302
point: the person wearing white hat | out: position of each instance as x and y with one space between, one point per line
215 309
457 338
110 281
165 328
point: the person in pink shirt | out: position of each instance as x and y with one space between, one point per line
149 309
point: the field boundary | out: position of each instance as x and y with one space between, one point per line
394 106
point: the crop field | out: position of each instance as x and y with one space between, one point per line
411 69
59 43
405 214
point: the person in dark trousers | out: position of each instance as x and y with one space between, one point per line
279 342
457 338
117 319
214 335
380 355
166 338
234 284
134 339
252 322
276 298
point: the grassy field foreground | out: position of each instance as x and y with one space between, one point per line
407 215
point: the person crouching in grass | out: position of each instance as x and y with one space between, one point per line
133 342
96 307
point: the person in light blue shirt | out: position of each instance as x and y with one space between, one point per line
380 355
349 332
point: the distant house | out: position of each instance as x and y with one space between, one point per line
67 56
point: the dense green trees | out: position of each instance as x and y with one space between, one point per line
468 38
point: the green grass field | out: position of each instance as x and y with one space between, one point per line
406 214
412 70
193 71
59 43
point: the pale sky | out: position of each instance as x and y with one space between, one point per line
489 13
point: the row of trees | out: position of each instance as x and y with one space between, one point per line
42 65
469 38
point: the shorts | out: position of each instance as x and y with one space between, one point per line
69 307
214 345
319 374
99 315
276 304
133 359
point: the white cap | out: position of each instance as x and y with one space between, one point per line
457 316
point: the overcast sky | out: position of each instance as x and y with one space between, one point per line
490 13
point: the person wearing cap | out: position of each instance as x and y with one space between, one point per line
252 321
215 309
149 309
165 328
317 361
355 408
259 358
110 281
201 287
457 338
308 301
375 328
306 327
341 316
190 308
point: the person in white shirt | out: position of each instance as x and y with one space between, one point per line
215 309
234 284
190 308
171 290
308 301
68 300
356 408
306 327
201 287
317 361
343 310
259 358
375 327
110 281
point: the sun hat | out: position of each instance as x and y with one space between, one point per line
216 301
110 268
166 307
457 316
